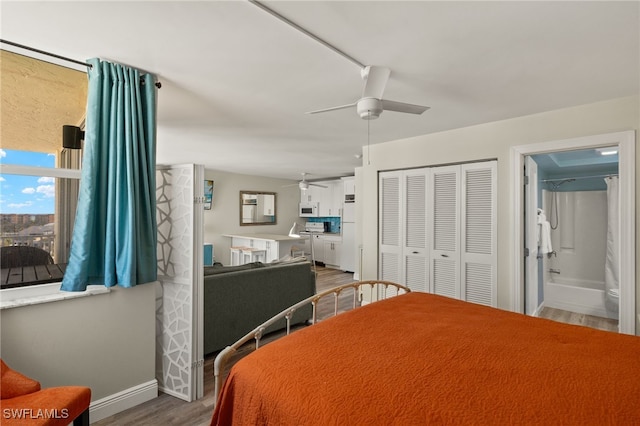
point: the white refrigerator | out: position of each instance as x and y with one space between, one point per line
348 256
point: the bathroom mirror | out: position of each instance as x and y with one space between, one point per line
257 208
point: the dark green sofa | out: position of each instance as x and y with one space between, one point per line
239 298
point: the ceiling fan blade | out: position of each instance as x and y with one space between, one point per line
315 184
375 81
403 107
331 109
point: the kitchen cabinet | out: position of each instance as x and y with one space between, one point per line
332 251
269 206
336 198
349 185
327 249
329 199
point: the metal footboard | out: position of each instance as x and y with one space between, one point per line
378 290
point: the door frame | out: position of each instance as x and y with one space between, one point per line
625 141
530 225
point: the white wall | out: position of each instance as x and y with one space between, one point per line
486 141
105 341
580 239
224 216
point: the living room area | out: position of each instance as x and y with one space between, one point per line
255 186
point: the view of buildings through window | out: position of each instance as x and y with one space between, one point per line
36 213
27 209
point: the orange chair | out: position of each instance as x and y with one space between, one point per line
23 402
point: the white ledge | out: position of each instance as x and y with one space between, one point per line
44 293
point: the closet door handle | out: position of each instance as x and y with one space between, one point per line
444 255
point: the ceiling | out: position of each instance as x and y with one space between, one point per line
236 81
578 163
38 98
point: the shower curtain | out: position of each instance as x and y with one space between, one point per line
611 274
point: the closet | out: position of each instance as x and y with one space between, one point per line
438 230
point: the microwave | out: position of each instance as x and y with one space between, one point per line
308 210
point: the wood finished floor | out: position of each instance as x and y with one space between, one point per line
168 410
580 319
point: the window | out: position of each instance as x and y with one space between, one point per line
37 210
39 180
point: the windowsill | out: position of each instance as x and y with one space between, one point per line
44 293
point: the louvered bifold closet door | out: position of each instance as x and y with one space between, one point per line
415 253
478 233
390 226
444 228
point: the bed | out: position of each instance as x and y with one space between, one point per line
421 359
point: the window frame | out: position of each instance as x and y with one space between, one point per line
48 292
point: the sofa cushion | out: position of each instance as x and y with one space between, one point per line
289 259
212 270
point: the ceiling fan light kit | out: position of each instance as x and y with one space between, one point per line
369 108
304 185
371 104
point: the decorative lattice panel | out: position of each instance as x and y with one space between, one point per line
174 316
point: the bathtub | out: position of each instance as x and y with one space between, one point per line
575 295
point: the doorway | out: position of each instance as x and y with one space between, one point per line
571 205
532 271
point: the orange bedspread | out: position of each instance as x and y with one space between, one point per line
423 359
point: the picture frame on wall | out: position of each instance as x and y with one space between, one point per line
208 194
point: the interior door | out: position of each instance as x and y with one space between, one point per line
478 233
416 250
390 227
531 294
444 229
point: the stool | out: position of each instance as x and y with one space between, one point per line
296 251
250 254
236 255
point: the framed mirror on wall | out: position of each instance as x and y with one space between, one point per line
257 208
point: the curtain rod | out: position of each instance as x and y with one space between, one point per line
22 46
581 177
53 55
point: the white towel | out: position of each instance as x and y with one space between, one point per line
540 220
544 236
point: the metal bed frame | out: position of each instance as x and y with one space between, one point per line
381 290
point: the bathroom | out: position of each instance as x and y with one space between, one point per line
577 233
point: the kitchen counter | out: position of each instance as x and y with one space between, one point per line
264 237
274 246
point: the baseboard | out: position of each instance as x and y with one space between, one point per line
539 309
118 402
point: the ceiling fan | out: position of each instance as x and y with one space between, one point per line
304 185
371 104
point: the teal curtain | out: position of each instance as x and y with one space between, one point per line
114 235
